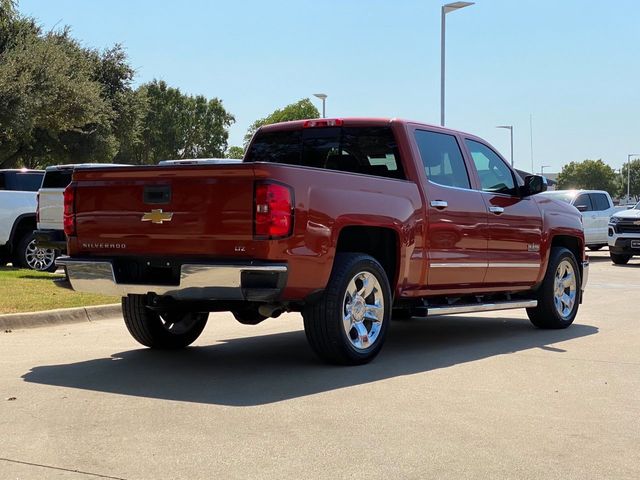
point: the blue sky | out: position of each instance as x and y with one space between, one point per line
573 65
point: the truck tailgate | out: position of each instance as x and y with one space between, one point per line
178 210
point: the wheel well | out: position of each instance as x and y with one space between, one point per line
24 225
570 243
379 242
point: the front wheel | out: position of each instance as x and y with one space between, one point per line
595 248
169 330
349 324
559 294
620 258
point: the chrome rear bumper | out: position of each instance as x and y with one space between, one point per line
198 281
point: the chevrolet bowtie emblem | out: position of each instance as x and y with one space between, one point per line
157 216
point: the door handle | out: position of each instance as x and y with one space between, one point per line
496 210
441 204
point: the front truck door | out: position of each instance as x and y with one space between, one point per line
456 217
514 224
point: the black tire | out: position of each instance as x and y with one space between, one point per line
323 319
620 258
595 248
154 330
22 253
546 315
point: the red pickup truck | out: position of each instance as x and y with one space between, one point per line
348 221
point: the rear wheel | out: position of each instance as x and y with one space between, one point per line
559 294
349 324
169 330
620 258
29 255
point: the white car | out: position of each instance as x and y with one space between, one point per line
50 231
18 220
596 207
624 235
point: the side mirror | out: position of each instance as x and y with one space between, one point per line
534 184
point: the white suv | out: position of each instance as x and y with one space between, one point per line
624 235
18 220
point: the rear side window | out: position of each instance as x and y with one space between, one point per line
57 179
599 201
21 181
442 159
364 150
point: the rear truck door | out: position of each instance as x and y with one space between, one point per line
455 215
514 222
168 211
589 218
602 211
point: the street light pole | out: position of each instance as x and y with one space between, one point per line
323 97
510 128
629 174
449 7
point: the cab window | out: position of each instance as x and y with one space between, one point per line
442 159
495 175
583 203
599 201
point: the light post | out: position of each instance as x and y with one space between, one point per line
449 7
510 128
542 167
323 97
629 174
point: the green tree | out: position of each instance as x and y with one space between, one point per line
235 152
176 125
50 108
588 174
300 110
634 180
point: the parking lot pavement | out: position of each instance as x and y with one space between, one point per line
475 396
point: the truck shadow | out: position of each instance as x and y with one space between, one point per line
265 369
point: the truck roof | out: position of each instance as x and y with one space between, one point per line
354 122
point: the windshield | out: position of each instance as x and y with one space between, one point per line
564 196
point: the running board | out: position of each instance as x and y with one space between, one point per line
480 307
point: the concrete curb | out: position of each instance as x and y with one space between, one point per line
15 321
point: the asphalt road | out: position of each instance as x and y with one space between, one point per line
470 396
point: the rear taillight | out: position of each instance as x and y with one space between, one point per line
38 207
273 210
70 209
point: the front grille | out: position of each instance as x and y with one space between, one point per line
628 228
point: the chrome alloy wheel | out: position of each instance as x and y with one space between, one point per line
39 259
363 310
565 289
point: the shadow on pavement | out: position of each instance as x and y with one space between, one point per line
265 369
